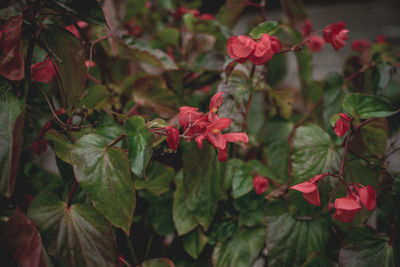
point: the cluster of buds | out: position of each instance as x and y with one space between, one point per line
260 184
196 13
346 207
43 71
242 48
199 127
342 124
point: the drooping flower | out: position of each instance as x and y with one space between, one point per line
336 34
43 71
367 196
347 208
307 28
342 125
260 184
265 48
213 132
187 115
172 137
360 45
310 190
215 102
240 48
315 43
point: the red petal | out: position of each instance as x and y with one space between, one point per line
220 124
305 187
348 204
345 216
315 43
223 154
172 137
275 44
236 137
243 46
341 127
216 100
367 196
217 140
313 198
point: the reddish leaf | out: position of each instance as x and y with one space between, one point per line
12 64
24 240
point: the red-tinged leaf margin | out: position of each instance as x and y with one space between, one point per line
23 239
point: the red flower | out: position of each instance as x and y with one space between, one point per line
213 132
367 196
266 47
336 34
183 10
231 137
89 63
360 45
240 48
315 43
215 102
310 190
342 125
187 115
74 30
260 184
172 137
43 71
347 208
380 39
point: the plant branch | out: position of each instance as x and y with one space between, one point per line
72 192
346 147
116 140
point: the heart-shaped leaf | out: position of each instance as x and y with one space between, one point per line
78 234
367 106
194 242
103 173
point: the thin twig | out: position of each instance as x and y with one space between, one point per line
72 192
116 140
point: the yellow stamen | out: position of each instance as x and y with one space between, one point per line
214 110
215 131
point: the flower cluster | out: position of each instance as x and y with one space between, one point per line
346 207
242 48
74 30
361 46
336 34
199 127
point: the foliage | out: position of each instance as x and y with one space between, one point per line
144 133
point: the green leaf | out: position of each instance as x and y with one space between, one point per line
95 95
160 262
374 136
222 230
194 242
313 153
107 127
143 53
363 246
277 69
88 10
333 96
159 178
367 106
317 259
68 56
258 168
78 234
275 134
382 75
160 212
169 36
251 209
241 178
269 27
183 218
61 144
140 142
103 173
202 181
11 126
290 241
240 250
